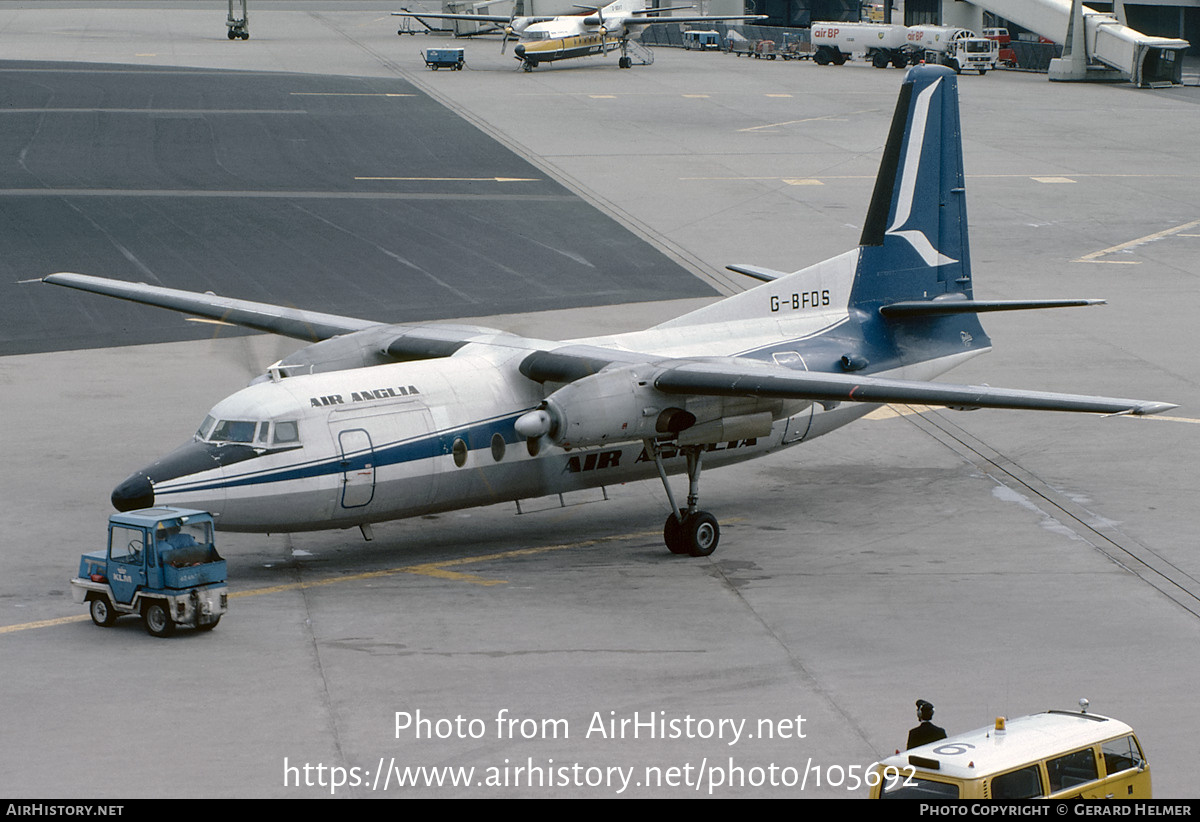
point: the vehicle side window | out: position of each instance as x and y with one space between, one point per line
126 545
1069 770
1025 783
1120 754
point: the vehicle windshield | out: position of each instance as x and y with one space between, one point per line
184 534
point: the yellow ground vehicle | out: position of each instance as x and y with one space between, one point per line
1057 754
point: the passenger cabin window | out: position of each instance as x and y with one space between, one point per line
1025 783
1071 770
1120 755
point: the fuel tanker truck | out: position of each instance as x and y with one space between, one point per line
886 44
882 43
959 49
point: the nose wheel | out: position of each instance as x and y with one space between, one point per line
689 531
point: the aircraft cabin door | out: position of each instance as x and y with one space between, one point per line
358 466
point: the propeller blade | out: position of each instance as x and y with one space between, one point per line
508 29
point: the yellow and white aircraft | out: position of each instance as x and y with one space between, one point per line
595 30
376 422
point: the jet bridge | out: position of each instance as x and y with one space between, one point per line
1097 45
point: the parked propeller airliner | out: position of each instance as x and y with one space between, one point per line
597 30
377 422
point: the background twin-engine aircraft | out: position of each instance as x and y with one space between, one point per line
595 30
377 422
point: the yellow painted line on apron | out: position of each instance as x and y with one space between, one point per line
455 179
806 120
348 94
44 623
1149 238
890 412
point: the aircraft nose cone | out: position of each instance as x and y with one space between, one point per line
135 492
519 50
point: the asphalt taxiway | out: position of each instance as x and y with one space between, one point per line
992 563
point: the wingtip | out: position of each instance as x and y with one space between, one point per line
1148 408
1158 407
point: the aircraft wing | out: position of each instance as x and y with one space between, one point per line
718 378
722 379
475 18
289 322
649 21
751 378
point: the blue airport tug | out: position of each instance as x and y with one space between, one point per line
160 564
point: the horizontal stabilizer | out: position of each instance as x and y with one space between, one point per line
289 322
727 380
757 272
938 308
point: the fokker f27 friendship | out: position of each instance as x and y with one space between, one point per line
377 422
597 30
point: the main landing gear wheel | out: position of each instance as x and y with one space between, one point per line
102 612
696 536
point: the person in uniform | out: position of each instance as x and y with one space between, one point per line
925 732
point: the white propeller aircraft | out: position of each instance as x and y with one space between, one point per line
597 30
378 422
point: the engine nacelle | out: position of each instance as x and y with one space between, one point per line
615 405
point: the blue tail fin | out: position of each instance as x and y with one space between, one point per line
914 241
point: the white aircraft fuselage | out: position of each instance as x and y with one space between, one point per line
404 439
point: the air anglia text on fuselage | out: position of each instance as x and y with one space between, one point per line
364 396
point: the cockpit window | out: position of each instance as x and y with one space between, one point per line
233 431
205 427
259 433
286 433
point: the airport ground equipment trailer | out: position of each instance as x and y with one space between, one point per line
160 564
451 58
